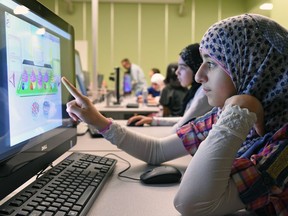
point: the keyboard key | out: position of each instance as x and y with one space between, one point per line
23 213
84 198
47 213
60 213
35 213
6 211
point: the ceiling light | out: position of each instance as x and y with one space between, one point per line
266 6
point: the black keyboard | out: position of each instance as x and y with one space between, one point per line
94 132
70 188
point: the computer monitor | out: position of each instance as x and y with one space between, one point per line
36 50
117 86
80 76
115 77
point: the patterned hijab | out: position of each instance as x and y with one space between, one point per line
253 50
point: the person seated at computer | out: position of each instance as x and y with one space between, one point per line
137 75
239 148
153 93
195 102
173 93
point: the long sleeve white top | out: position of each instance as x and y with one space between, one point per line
196 107
210 165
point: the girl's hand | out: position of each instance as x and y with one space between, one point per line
253 105
140 120
83 109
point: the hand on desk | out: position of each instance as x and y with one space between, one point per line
83 109
150 100
140 120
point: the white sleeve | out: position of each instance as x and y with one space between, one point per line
206 187
149 149
198 106
165 121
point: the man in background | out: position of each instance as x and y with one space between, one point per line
137 75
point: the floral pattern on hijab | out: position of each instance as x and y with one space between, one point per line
253 50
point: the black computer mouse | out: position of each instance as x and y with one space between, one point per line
133 123
161 175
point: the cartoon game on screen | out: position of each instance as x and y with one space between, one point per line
36 80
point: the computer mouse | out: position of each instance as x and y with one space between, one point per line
133 123
161 175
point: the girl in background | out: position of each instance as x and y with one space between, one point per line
195 102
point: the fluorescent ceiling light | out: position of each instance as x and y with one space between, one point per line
20 9
266 6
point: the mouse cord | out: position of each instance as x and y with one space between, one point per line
120 174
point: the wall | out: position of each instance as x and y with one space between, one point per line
151 35
279 12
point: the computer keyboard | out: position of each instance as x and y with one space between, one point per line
70 188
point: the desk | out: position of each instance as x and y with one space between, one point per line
124 197
122 112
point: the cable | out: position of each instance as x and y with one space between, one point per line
123 171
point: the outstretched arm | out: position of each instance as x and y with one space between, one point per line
148 149
83 109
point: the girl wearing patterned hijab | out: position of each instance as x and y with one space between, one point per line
240 147
195 102
252 51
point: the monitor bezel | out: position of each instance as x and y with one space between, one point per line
16 169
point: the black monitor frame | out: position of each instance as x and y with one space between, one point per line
37 153
117 86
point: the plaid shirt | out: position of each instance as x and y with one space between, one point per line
262 178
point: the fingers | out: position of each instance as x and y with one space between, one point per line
73 91
73 109
145 120
134 118
141 122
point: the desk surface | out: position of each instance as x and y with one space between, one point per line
127 197
122 112
122 196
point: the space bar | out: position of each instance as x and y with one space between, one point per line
85 196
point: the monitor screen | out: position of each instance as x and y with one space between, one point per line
36 50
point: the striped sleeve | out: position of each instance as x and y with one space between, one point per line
194 132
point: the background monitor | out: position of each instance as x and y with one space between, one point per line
116 79
80 76
36 50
